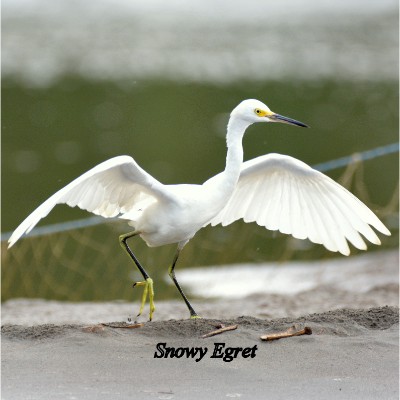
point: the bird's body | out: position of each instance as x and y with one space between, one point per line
175 220
276 191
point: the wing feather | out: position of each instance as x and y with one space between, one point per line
285 194
337 242
357 220
111 188
299 224
316 232
272 221
338 215
286 207
305 209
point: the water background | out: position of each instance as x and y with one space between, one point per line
86 81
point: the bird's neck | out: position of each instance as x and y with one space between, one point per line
234 157
224 183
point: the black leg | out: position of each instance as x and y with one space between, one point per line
124 244
147 282
171 273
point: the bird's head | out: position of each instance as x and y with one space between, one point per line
252 111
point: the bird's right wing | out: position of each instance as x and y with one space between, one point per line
285 194
112 188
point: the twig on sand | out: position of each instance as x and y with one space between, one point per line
288 333
131 326
220 330
93 328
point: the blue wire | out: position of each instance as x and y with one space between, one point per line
365 155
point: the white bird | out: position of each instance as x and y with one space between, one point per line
273 190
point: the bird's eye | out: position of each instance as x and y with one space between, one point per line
260 112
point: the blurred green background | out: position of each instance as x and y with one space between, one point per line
160 88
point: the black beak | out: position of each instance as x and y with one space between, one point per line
286 120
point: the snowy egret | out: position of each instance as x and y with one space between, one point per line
273 190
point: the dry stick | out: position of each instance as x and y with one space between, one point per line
221 330
133 326
93 328
288 333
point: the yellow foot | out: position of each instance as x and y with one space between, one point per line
195 316
148 290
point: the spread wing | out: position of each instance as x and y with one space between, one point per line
285 194
112 188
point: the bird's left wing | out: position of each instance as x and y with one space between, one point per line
110 189
285 194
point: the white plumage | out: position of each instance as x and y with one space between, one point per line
285 194
111 188
275 191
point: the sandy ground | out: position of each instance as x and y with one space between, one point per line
55 350
352 354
